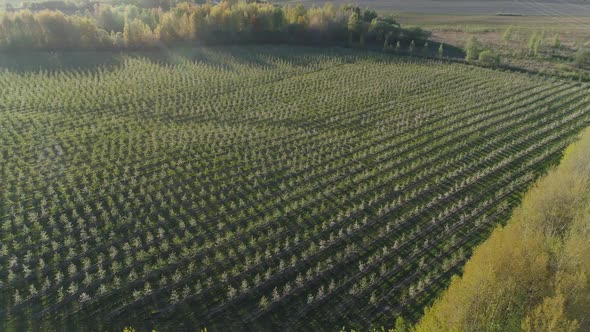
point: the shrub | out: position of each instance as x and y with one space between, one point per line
508 33
556 42
489 58
472 49
582 59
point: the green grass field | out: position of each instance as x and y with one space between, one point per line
258 187
558 38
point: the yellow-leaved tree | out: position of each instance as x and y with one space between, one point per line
533 273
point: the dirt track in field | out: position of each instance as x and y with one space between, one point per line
558 8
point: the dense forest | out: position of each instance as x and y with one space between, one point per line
533 274
137 27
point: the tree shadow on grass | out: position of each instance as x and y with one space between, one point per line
218 56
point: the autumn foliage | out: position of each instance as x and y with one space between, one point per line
132 27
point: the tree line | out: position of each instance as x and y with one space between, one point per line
134 27
534 273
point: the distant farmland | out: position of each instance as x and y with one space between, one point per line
555 8
259 187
